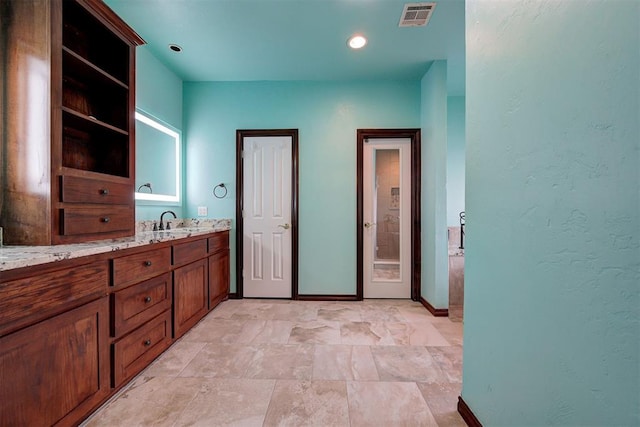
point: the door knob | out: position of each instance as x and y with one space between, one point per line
285 226
369 224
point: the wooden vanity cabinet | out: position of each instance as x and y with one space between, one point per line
74 332
218 268
190 285
56 371
72 126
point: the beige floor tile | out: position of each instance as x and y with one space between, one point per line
406 363
344 362
308 403
315 332
416 333
171 363
220 360
300 311
148 401
229 402
339 313
449 359
265 332
442 399
381 313
224 310
216 330
282 361
327 363
365 333
387 404
451 331
253 311
415 313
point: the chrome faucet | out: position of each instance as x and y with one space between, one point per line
162 219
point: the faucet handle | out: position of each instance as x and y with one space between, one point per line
168 226
155 226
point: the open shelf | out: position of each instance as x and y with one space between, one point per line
88 38
93 146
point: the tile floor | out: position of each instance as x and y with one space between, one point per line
297 363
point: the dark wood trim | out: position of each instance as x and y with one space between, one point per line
108 17
437 312
240 135
416 162
313 297
233 295
467 414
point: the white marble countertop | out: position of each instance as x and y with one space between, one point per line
12 257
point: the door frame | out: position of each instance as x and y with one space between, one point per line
240 135
414 136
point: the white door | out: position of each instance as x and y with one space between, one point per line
387 218
267 216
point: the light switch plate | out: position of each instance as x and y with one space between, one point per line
202 211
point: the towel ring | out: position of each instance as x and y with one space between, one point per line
220 194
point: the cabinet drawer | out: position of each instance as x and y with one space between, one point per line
135 268
135 351
92 220
185 253
75 189
26 301
137 304
219 241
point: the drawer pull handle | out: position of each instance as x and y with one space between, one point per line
147 299
147 343
104 191
147 263
106 219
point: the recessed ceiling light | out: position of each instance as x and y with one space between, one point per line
175 48
357 41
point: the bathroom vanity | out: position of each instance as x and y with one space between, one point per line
77 322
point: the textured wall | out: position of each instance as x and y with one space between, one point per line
553 213
327 115
435 281
159 93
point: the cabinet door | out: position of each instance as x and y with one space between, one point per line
189 296
57 370
218 278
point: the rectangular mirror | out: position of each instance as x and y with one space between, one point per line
158 148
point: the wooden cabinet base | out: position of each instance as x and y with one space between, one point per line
70 352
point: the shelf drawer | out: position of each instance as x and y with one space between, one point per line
185 253
219 241
75 189
131 269
96 220
26 301
137 304
135 351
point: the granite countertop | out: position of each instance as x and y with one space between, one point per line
12 257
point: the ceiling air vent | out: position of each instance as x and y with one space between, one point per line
416 14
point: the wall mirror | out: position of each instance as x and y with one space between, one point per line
158 148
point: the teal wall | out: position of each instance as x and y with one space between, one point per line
327 115
433 117
455 159
158 93
553 212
